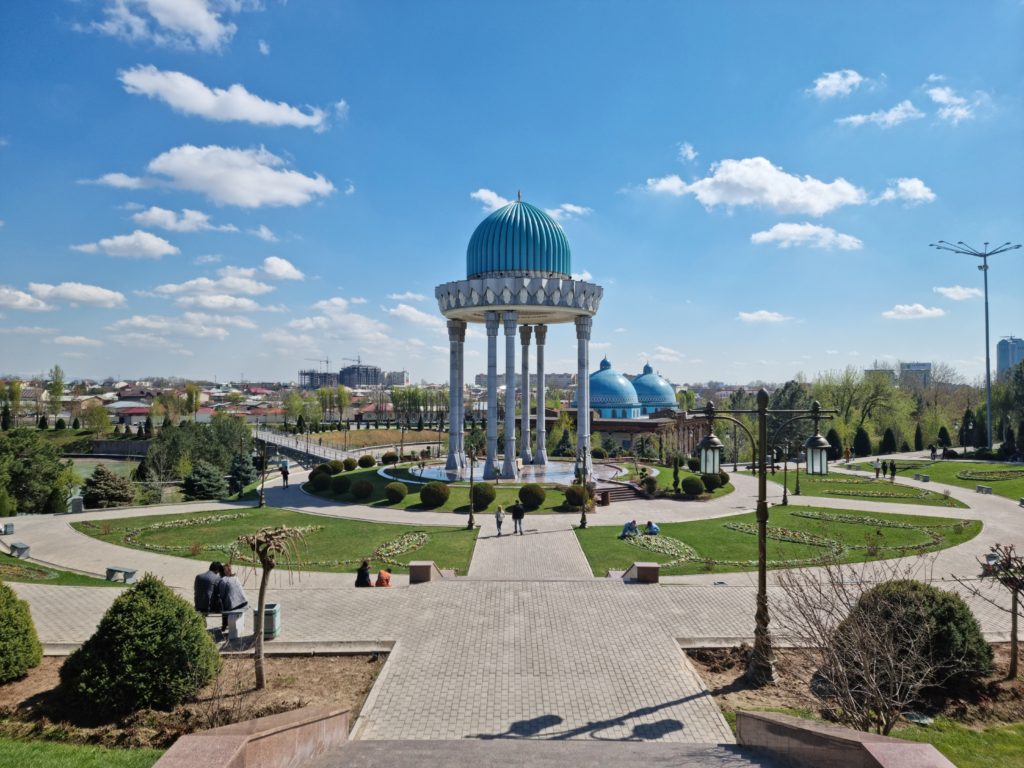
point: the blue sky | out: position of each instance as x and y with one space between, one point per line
220 189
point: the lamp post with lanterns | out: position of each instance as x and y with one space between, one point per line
761 667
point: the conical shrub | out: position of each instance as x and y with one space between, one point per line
19 644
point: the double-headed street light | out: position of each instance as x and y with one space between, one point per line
761 668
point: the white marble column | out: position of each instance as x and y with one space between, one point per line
454 431
509 470
461 371
584 464
524 401
540 456
491 462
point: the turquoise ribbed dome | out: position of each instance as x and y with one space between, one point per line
518 238
654 392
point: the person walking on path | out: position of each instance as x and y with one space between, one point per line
885 469
206 595
363 575
847 454
284 475
518 513
892 471
499 517
878 467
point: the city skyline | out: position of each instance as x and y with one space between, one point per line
239 190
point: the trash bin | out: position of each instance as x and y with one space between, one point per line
77 505
271 620
606 498
8 529
20 550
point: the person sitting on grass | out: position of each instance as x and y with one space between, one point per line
652 528
629 529
383 578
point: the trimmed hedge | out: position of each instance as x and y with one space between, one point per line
340 484
693 485
395 492
575 496
598 453
336 465
483 495
389 458
434 494
650 484
20 650
366 461
693 464
151 649
321 469
711 482
532 495
723 476
362 490
348 463
320 482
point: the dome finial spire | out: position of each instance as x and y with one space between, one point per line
519 195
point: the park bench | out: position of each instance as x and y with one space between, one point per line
926 478
983 489
236 622
127 574
1022 501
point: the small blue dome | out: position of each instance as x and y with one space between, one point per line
518 238
612 395
654 392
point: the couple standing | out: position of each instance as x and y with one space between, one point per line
518 513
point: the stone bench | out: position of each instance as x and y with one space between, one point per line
983 489
1022 501
20 550
926 478
127 574
643 573
236 622
422 571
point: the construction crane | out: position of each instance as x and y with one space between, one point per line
357 359
326 362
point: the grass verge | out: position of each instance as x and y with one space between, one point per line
948 471
13 569
49 754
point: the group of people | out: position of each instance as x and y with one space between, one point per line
518 514
218 590
630 529
363 576
884 468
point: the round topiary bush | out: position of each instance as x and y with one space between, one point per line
434 494
20 650
599 453
693 464
366 461
952 638
362 490
723 478
320 482
395 492
532 495
322 469
389 458
575 496
483 495
348 463
340 484
650 484
336 465
693 485
151 649
711 482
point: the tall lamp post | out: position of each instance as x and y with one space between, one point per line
983 254
761 668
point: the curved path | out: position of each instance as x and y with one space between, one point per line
530 634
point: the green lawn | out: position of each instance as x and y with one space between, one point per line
665 475
13 569
709 546
840 486
331 544
947 471
85 467
999 745
50 754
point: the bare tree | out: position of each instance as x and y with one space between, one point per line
268 544
1002 566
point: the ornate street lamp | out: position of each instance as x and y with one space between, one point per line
710 450
761 667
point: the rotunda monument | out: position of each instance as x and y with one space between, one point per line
518 277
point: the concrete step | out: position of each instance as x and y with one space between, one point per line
537 753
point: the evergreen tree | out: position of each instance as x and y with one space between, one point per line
242 472
205 482
5 417
944 437
965 435
76 424
980 431
43 424
564 447
60 425
300 424
1009 446
862 442
918 438
888 444
835 445
149 427
105 489
141 431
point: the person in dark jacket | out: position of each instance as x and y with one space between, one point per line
205 594
363 575
518 513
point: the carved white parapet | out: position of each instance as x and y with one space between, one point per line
537 299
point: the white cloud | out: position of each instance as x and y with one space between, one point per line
912 190
600 345
341 110
180 23
912 312
77 293
407 296
28 330
666 355
933 78
188 221
952 107
232 280
585 276
842 82
755 181
232 321
172 326
959 292
336 322
137 245
831 351
220 302
264 233
788 234
77 341
120 180
492 200
358 300
281 269
12 298
209 258
619 330
288 343
566 211
264 47
350 188
412 315
248 178
885 118
762 316
687 153
189 96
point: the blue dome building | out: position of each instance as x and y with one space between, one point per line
655 394
520 239
612 395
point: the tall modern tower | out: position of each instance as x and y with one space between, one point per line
1009 353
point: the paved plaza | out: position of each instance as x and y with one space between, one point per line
529 644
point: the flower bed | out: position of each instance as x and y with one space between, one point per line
991 475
